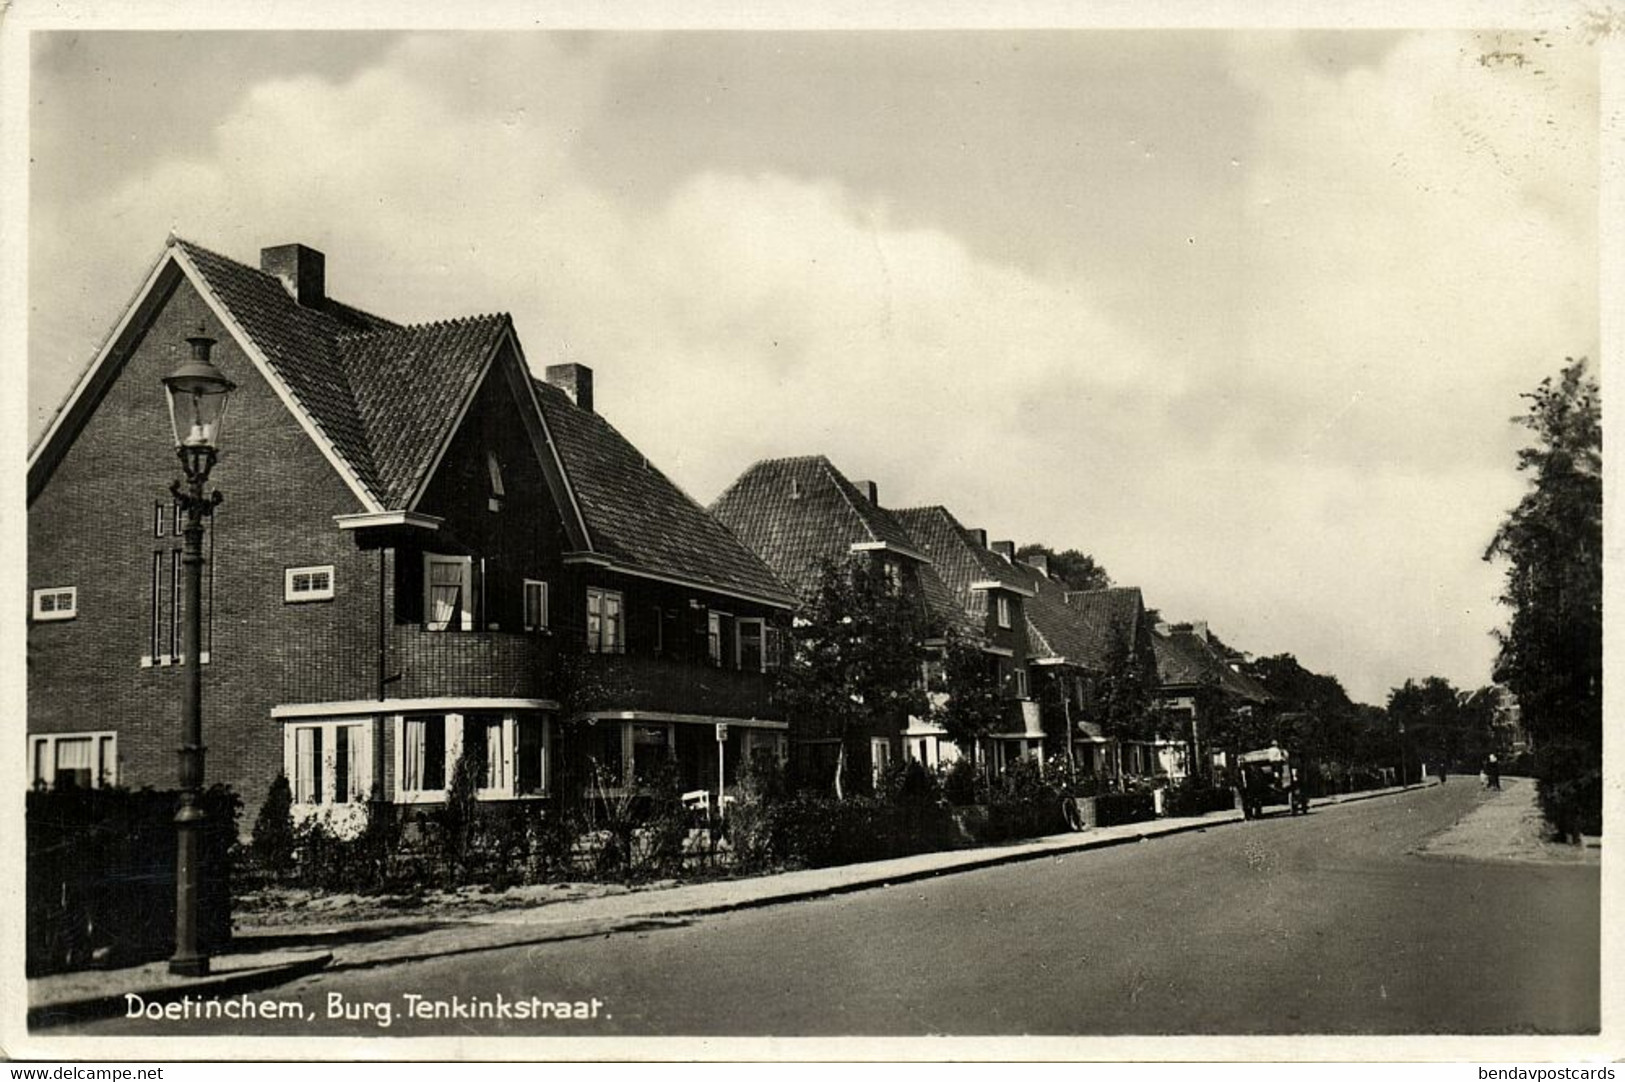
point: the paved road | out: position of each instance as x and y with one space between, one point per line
1325 924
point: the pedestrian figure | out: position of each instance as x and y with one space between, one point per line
1442 776
1493 773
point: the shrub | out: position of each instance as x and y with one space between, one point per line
962 783
273 839
1112 809
908 784
1569 783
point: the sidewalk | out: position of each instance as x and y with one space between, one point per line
261 959
1508 826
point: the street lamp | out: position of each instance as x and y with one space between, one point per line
197 393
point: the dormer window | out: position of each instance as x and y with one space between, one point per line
494 468
1003 605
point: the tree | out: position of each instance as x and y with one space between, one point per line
1551 651
972 703
856 657
1073 569
1122 695
1436 727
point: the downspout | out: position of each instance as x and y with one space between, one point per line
383 645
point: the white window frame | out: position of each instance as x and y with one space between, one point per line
363 768
454 750
879 755
43 770
56 613
454 722
739 642
1002 606
293 595
463 619
600 643
1021 682
524 604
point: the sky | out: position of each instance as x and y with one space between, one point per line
1243 314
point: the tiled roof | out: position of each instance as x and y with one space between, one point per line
799 513
958 558
637 516
299 343
408 382
387 396
1185 658
1079 626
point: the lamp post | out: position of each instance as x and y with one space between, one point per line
197 392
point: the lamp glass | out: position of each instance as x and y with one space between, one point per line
198 394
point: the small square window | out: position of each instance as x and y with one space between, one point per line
56 603
308 583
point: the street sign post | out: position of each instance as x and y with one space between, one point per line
722 750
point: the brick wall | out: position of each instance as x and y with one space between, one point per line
92 527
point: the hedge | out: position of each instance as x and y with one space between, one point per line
101 876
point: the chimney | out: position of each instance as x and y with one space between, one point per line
1038 562
1199 629
303 271
1163 628
574 380
980 536
871 491
1007 549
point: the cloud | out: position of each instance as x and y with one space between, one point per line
1416 246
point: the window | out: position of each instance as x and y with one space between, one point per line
174 650
774 639
73 760
1004 610
535 605
329 762
657 630
424 751
159 519
713 638
894 575
494 468
1021 682
606 626
751 647
879 756
156 606
530 755
485 743
177 521
56 603
651 752
448 603
308 583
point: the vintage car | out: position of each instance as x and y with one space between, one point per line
1271 776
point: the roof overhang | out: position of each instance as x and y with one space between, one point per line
685 719
995 584
888 546
364 707
597 559
1001 651
367 520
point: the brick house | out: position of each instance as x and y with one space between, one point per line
1072 637
418 538
801 514
989 594
1197 679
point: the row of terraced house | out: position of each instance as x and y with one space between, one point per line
425 551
